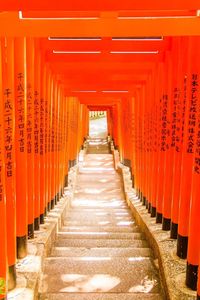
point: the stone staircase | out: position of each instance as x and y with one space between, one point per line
100 252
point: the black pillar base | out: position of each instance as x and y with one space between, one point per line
153 212
127 162
182 245
52 203
42 219
191 276
31 231
37 224
146 203
61 192
66 180
158 217
48 206
45 212
174 231
57 197
133 181
149 207
166 224
70 164
198 297
140 195
21 246
143 200
11 277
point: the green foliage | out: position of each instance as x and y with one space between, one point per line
2 286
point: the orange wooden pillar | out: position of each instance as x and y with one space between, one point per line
178 116
37 94
70 124
126 133
143 156
47 140
60 191
3 221
8 102
57 144
193 255
61 144
21 146
166 143
53 149
187 151
147 141
154 143
30 135
46 131
51 194
134 143
137 144
66 140
109 122
161 139
65 164
42 143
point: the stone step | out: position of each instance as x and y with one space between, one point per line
90 192
102 296
85 222
100 235
99 213
96 204
101 197
97 218
101 243
100 252
105 274
119 211
116 229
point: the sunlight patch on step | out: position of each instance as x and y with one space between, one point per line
92 258
103 180
146 286
21 293
125 223
97 169
104 223
30 263
138 258
85 283
83 233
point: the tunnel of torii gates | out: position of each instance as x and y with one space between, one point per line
137 60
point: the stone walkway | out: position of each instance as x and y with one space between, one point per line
100 253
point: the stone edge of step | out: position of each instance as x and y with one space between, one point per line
102 296
119 252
